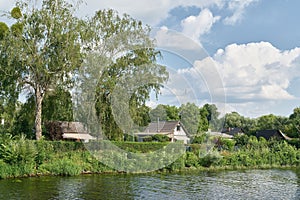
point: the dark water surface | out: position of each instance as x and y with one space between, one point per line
249 184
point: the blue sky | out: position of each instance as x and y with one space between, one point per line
241 55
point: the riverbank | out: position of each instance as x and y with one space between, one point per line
25 158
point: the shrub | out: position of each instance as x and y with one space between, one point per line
147 139
212 158
160 138
199 139
18 151
64 167
191 160
130 138
241 140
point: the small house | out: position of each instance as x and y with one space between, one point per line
233 131
268 134
218 134
75 131
173 129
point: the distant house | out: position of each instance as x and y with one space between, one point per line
68 131
173 129
233 131
268 134
219 134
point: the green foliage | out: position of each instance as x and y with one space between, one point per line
172 113
204 123
147 139
137 63
20 157
160 138
63 167
130 138
158 113
18 151
226 144
16 13
57 106
212 117
190 118
56 54
233 119
241 140
191 160
3 30
24 123
17 29
199 139
142 147
212 158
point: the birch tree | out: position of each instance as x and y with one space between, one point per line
41 50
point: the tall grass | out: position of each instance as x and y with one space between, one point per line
22 157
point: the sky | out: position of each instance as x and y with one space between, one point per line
242 55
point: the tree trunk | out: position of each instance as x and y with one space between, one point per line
38 113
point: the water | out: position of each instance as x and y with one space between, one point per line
249 184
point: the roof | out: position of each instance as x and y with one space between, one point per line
232 131
268 134
73 127
161 127
78 136
219 134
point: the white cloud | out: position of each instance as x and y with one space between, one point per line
257 70
195 26
155 11
165 38
150 12
238 8
255 77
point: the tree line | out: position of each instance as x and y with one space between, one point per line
198 120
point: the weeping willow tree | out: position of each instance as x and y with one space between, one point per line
123 61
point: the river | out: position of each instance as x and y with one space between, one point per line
248 184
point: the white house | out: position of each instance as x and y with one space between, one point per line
173 129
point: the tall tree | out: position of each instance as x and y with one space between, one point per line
172 112
158 113
213 117
122 60
57 106
203 123
190 117
42 49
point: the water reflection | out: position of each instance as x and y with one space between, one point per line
249 184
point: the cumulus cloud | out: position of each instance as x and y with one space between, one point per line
238 9
149 12
165 38
252 76
257 71
155 11
195 26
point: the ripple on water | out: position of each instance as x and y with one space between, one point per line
233 185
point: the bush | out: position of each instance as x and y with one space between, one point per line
63 167
130 138
147 139
212 158
18 151
241 140
199 139
160 138
191 160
